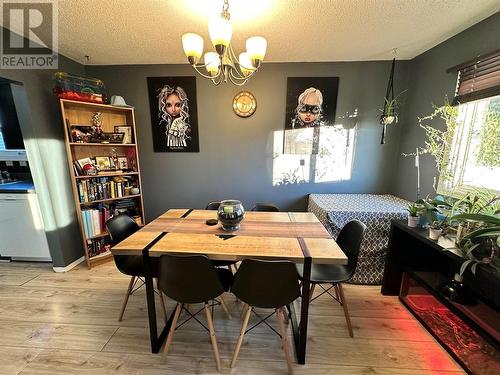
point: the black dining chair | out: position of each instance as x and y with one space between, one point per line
349 240
193 279
265 207
212 205
268 285
120 227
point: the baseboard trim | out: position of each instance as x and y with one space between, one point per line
69 266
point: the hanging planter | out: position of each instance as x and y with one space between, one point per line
389 111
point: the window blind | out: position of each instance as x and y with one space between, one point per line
478 78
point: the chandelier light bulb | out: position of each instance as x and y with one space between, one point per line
212 61
246 66
193 47
220 31
256 49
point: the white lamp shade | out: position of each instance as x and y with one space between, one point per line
256 48
193 45
246 66
212 63
220 31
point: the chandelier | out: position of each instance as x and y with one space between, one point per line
223 65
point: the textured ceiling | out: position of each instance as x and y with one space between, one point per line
149 31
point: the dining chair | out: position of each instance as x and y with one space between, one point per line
349 240
267 285
192 279
265 207
212 205
120 227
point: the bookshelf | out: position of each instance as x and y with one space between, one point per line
105 176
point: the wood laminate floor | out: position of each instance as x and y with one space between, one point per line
67 323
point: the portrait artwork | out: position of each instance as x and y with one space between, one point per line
311 101
174 118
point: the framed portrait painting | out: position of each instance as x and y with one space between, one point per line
311 101
174 117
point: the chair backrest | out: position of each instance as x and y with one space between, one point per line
265 207
266 284
213 205
120 227
349 240
189 278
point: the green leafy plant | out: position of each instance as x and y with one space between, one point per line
437 141
480 245
413 209
489 147
389 113
427 209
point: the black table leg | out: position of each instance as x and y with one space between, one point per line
150 296
304 311
299 328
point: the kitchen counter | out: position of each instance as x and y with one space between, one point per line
18 187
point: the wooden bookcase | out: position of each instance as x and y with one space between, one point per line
102 192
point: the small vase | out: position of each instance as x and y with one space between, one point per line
230 214
413 221
434 233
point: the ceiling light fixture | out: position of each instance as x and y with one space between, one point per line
223 65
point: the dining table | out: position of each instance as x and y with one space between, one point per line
298 237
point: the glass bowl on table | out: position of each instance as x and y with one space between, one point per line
230 214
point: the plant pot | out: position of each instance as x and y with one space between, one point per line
434 233
413 221
388 120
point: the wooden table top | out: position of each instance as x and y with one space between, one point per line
262 235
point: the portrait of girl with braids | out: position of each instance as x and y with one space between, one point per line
173 112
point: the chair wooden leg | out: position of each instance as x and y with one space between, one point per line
224 306
284 339
243 310
129 290
162 301
311 292
340 291
171 332
248 311
213 338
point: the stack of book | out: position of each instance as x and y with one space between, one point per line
94 189
98 246
94 220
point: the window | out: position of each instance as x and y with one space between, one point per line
313 155
474 160
474 157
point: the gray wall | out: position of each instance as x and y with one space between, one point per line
43 133
428 84
235 158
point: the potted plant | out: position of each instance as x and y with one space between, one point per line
413 217
436 229
389 112
480 245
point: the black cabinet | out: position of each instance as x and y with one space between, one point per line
416 269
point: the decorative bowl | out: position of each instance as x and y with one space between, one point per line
230 214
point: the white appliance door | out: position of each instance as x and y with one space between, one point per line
22 234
